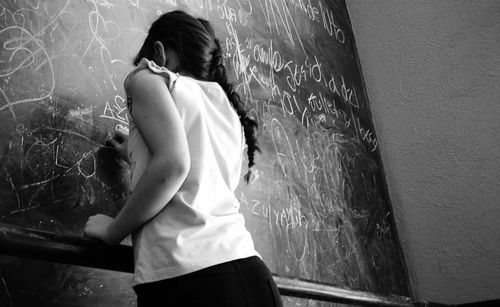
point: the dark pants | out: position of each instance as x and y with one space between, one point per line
239 283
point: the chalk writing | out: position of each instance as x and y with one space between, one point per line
278 15
318 13
116 111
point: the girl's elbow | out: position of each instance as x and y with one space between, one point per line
184 165
175 167
179 166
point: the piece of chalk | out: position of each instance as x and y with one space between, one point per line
121 128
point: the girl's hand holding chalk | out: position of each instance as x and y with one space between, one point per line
119 142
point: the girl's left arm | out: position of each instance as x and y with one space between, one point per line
161 127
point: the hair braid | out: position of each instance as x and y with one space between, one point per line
217 72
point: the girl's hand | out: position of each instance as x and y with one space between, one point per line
119 142
97 227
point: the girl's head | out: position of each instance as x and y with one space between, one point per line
183 43
187 37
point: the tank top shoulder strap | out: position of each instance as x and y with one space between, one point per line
169 76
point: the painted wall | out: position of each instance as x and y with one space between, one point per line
432 72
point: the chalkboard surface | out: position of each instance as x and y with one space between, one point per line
318 206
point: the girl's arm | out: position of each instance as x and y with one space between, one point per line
161 127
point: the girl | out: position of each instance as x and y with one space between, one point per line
188 130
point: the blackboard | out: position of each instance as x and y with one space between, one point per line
318 207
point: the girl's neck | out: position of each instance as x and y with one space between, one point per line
186 74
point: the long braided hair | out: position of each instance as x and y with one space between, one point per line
200 54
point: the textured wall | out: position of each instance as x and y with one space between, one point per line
432 70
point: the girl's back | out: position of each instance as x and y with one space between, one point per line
203 216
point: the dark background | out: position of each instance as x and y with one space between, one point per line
318 206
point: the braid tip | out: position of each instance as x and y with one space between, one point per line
251 176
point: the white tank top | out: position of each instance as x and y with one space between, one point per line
201 226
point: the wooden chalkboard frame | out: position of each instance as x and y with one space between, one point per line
71 249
